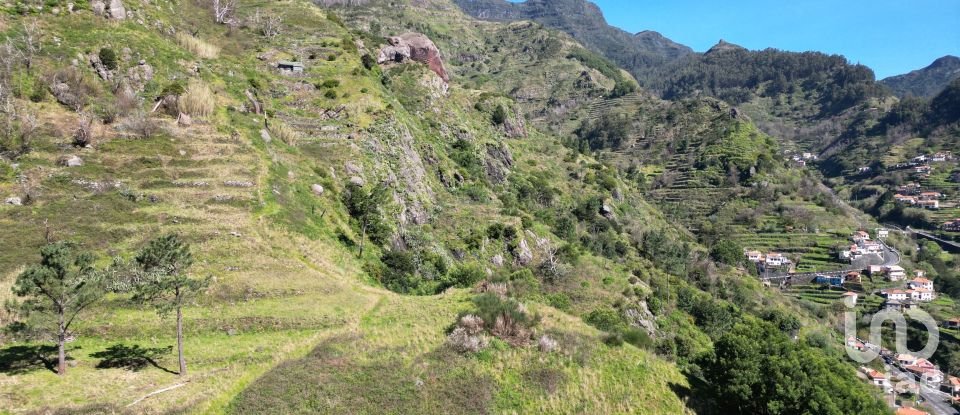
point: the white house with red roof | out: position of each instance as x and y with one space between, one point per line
898 295
920 282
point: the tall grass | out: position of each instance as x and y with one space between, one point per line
197 46
197 100
284 133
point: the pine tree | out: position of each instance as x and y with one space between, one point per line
61 286
163 282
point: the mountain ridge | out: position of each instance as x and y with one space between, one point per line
925 82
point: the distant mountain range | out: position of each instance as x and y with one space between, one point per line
642 53
926 82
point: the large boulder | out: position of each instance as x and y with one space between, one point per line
416 47
116 11
71 161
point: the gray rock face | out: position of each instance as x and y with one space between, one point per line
357 180
352 168
13 200
523 253
116 11
317 189
515 126
497 260
498 163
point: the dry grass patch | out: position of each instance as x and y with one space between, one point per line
197 46
284 133
198 100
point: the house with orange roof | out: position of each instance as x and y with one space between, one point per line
852 295
953 383
895 294
921 282
903 410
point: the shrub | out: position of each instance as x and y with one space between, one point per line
108 58
198 100
499 115
197 46
467 275
141 125
330 83
560 301
83 135
368 61
511 321
606 319
400 272
330 94
468 336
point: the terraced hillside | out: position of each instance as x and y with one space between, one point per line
378 238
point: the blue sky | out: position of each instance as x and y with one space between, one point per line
890 36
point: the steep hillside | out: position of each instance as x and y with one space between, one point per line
393 213
926 82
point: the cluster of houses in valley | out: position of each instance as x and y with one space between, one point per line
801 159
918 290
768 260
911 194
912 370
863 245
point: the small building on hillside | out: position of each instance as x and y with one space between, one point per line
929 204
897 295
860 236
851 296
953 323
754 256
853 276
953 385
952 226
290 67
905 199
921 295
836 280
920 283
883 233
906 359
895 273
776 260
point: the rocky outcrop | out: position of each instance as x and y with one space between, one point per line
515 126
71 161
498 163
116 11
105 73
415 47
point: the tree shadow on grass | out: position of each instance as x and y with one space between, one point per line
134 358
20 359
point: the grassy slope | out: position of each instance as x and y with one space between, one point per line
284 285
